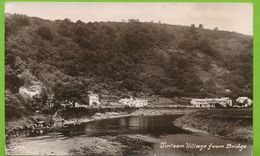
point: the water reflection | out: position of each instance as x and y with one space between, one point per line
129 125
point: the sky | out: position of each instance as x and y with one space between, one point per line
236 17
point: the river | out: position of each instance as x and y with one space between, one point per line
104 137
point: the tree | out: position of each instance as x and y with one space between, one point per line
14 108
71 91
79 22
193 29
130 84
216 28
10 57
155 85
64 27
44 32
40 100
201 26
133 21
13 82
172 92
21 20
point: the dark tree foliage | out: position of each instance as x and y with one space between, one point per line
131 85
21 20
44 32
71 91
13 26
10 58
13 83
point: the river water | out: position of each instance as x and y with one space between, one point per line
166 139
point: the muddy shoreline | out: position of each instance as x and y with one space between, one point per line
233 124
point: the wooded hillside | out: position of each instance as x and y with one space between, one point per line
67 59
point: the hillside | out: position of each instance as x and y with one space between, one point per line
66 59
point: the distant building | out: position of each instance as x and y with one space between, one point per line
93 99
244 102
78 105
134 102
66 103
212 102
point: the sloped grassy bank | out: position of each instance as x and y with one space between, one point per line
233 124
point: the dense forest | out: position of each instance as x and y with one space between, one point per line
63 60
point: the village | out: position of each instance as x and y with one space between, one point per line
128 101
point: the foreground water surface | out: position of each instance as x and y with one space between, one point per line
102 138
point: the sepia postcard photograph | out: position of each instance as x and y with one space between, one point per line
128 78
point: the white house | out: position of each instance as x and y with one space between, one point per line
212 102
244 101
134 102
78 105
93 99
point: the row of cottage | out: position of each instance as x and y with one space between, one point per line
222 102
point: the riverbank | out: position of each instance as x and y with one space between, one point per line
29 126
162 111
138 136
233 124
